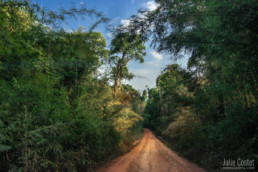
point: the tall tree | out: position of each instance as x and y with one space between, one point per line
129 47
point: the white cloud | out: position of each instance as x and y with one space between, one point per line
69 30
142 71
109 35
81 3
101 70
154 63
151 5
125 22
156 55
114 20
141 15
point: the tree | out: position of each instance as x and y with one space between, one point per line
130 47
54 111
221 39
144 95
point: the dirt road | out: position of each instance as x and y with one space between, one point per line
150 155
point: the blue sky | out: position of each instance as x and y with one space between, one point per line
119 11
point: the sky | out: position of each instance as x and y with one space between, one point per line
118 11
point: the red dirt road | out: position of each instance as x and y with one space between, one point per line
150 155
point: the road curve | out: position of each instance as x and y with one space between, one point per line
150 155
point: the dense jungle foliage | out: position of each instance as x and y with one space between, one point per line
57 113
209 110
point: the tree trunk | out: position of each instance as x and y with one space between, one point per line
119 69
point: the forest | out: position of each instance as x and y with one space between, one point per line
59 113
